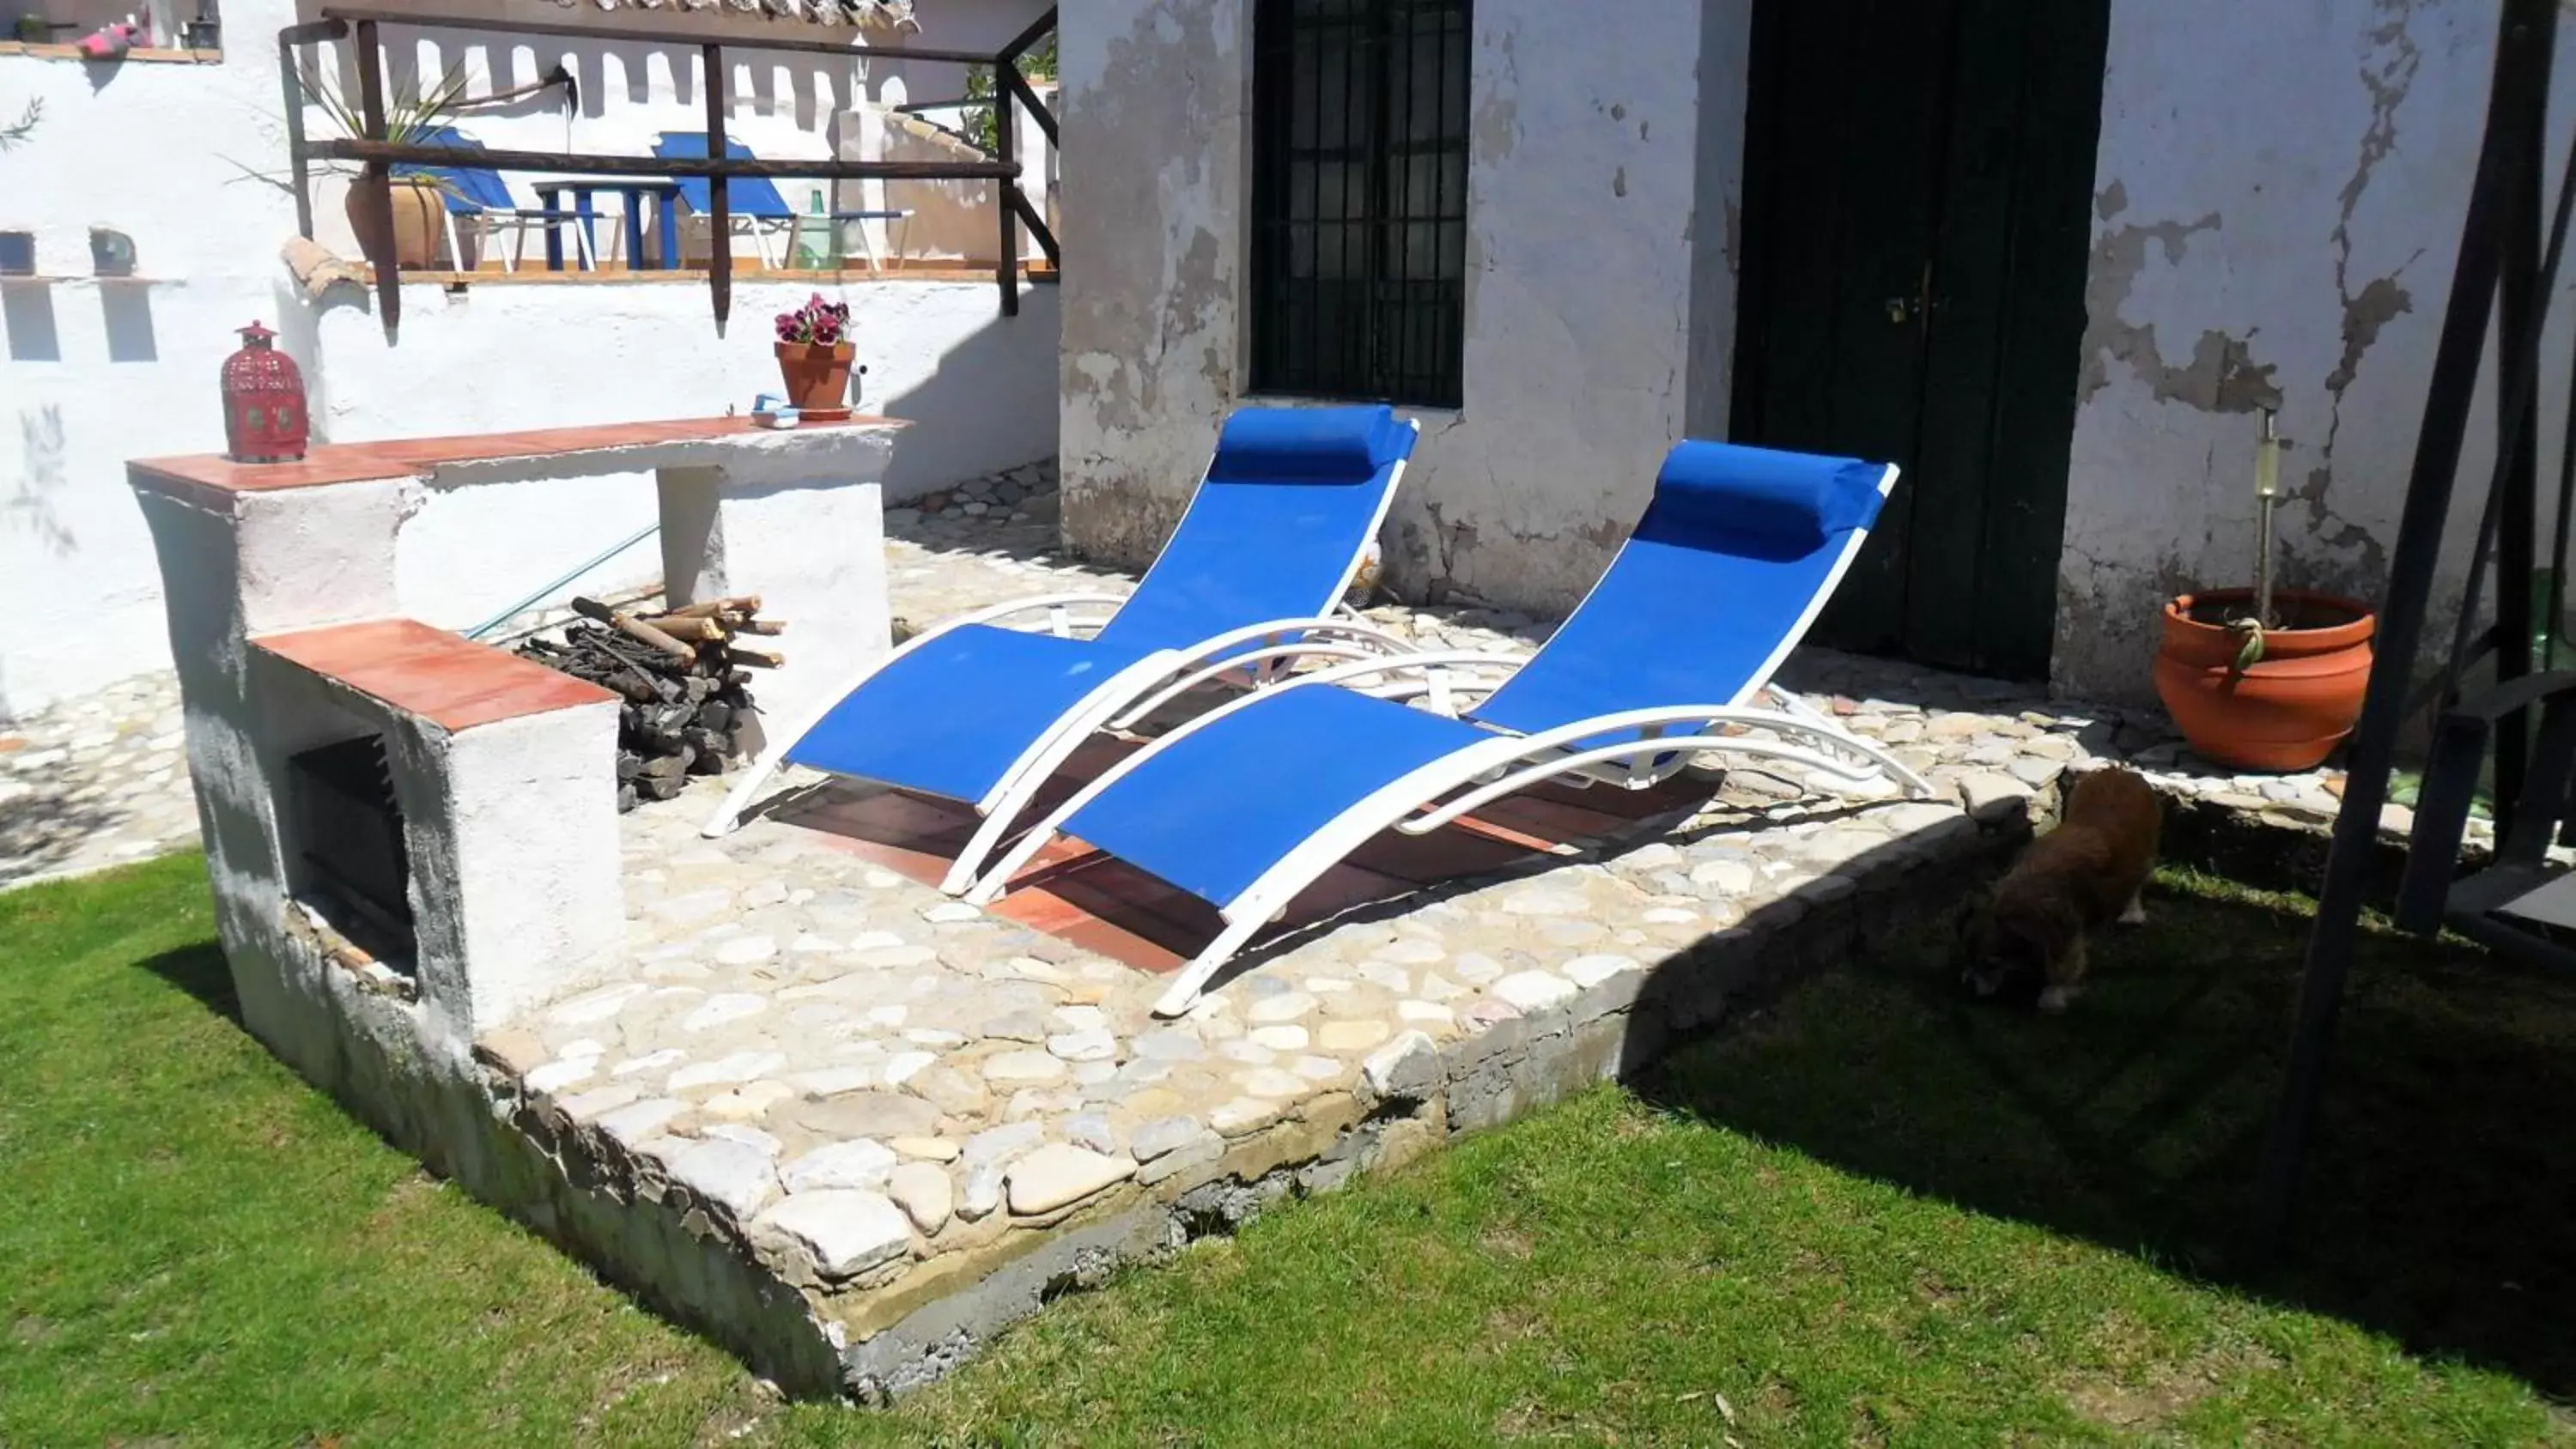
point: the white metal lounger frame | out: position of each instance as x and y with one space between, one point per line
1263 652
1505 765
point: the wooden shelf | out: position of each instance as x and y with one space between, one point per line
147 55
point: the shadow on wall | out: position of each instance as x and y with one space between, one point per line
27 317
957 402
28 508
127 310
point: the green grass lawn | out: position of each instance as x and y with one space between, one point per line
1870 1215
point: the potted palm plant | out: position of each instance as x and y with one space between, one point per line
418 200
2264 678
814 353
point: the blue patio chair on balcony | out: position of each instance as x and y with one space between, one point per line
975 712
1246 805
755 204
478 195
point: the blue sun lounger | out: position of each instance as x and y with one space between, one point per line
1734 558
975 712
754 202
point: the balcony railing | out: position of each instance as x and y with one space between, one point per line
1011 90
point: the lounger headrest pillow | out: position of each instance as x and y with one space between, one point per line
1792 502
1321 445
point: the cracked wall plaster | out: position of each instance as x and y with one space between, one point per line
1599 317
2265 238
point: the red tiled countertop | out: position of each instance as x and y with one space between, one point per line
444 678
330 463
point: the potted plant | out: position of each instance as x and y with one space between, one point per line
418 200
814 352
2264 678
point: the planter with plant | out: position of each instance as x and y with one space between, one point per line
814 354
418 200
2264 678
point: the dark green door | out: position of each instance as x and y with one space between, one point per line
1918 184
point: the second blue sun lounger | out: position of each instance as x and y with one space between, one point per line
977 712
1731 563
753 202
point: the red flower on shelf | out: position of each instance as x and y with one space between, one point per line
821 323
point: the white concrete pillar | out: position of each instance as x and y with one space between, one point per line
813 549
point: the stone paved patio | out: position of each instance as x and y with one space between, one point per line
102 781
913 1120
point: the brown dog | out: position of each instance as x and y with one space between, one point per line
2084 874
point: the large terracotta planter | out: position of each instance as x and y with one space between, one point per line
420 234
817 377
2292 707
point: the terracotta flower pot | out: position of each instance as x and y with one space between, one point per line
817 377
420 235
2290 708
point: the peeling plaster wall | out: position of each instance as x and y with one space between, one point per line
2267 233
1593 253
1156 97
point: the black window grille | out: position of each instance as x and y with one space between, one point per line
1359 196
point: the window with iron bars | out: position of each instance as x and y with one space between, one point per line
1359 196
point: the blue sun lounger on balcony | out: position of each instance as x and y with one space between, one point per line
975 712
754 202
1735 556
478 194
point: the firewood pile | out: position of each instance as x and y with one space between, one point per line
686 679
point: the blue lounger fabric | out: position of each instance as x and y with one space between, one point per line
1274 532
1729 562
744 195
469 190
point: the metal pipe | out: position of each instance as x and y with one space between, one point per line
2267 496
532 600
606 165
675 39
2519 89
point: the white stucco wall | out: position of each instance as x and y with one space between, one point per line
1586 198
93 373
979 388
2270 234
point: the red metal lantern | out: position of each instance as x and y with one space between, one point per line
264 419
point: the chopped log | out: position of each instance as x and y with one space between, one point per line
667 767
683 714
641 633
761 626
757 658
687 630
741 604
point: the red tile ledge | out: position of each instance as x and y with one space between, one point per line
330 463
444 678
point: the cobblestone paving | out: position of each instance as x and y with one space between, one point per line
102 781
871 1078
95 782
